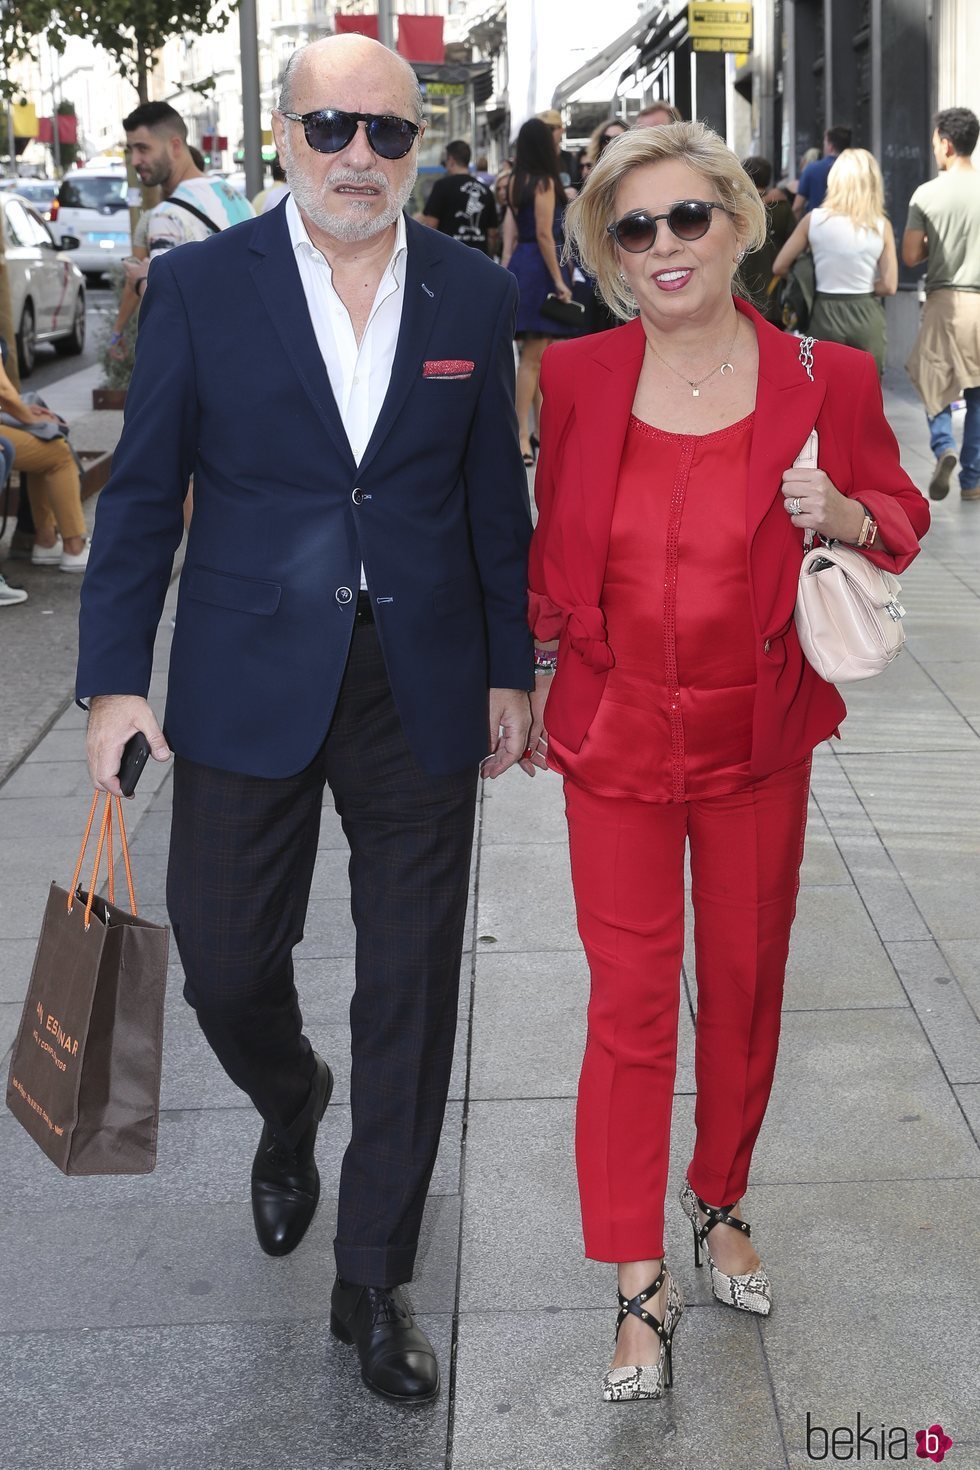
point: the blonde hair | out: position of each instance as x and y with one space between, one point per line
595 142
587 239
856 189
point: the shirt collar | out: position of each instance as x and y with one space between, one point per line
300 240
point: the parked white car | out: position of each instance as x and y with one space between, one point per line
93 206
47 290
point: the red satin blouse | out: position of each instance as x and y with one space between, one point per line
675 720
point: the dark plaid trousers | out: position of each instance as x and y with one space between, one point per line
242 855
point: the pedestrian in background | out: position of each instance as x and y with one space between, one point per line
601 137
943 229
756 272
855 262
41 451
460 205
678 704
568 174
267 199
657 114
385 354
532 247
812 183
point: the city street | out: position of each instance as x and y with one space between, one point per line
100 305
142 1329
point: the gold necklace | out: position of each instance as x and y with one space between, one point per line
695 383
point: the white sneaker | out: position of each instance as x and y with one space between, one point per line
10 595
75 561
46 556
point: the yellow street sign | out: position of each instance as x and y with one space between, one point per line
719 20
720 43
25 119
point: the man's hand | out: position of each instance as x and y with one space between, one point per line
114 719
510 720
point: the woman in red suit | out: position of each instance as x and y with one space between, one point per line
673 694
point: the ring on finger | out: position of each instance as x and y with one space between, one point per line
793 506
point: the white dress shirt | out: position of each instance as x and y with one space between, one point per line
359 373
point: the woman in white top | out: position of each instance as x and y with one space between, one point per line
854 258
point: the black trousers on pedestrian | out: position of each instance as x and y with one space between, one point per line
242 855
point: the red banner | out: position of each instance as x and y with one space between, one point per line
67 128
420 38
358 25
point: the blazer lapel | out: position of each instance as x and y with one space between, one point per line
277 280
604 393
424 285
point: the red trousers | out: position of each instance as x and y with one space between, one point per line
628 876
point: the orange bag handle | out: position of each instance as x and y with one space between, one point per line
104 842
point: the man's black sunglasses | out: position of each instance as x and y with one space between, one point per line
328 131
689 219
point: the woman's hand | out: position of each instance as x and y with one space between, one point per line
822 508
563 292
537 740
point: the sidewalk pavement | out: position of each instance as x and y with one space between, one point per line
144 1330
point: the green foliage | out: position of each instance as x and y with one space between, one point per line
130 30
116 373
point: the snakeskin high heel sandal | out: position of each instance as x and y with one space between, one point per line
646 1380
751 1292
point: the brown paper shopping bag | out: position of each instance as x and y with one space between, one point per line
85 1072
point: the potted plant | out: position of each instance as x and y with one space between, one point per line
117 362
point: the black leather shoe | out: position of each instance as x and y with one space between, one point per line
397 1359
286 1182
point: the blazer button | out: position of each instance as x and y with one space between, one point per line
357 496
344 595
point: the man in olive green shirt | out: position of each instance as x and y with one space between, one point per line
943 229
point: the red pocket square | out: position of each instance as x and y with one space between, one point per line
448 367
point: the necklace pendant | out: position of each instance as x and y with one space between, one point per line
696 393
726 367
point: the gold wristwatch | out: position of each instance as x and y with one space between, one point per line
869 528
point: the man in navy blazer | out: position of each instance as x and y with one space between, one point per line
339 382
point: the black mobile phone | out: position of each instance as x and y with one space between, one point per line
135 754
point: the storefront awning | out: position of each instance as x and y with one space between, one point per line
653 18
663 37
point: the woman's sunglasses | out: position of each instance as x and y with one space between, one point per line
689 219
328 131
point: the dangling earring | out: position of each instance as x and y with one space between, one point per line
740 257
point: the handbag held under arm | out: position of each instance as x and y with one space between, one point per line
848 615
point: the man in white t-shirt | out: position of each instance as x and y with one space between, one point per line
193 207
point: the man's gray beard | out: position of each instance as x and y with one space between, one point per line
349 228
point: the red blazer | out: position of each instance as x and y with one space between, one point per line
588 388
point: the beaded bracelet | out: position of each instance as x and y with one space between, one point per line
545 660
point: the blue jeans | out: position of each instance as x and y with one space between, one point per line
941 438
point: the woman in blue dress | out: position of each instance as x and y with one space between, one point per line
532 250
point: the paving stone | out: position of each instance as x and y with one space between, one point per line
529 1026
836 959
204 1157
10 1014
187 1263
16 962
224 1396
517 809
522 1238
859 1095
963 958
527 1396
969 1099
514 879
62 743
946 1015
960 682
845 1360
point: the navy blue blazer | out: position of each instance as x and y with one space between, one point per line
229 386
